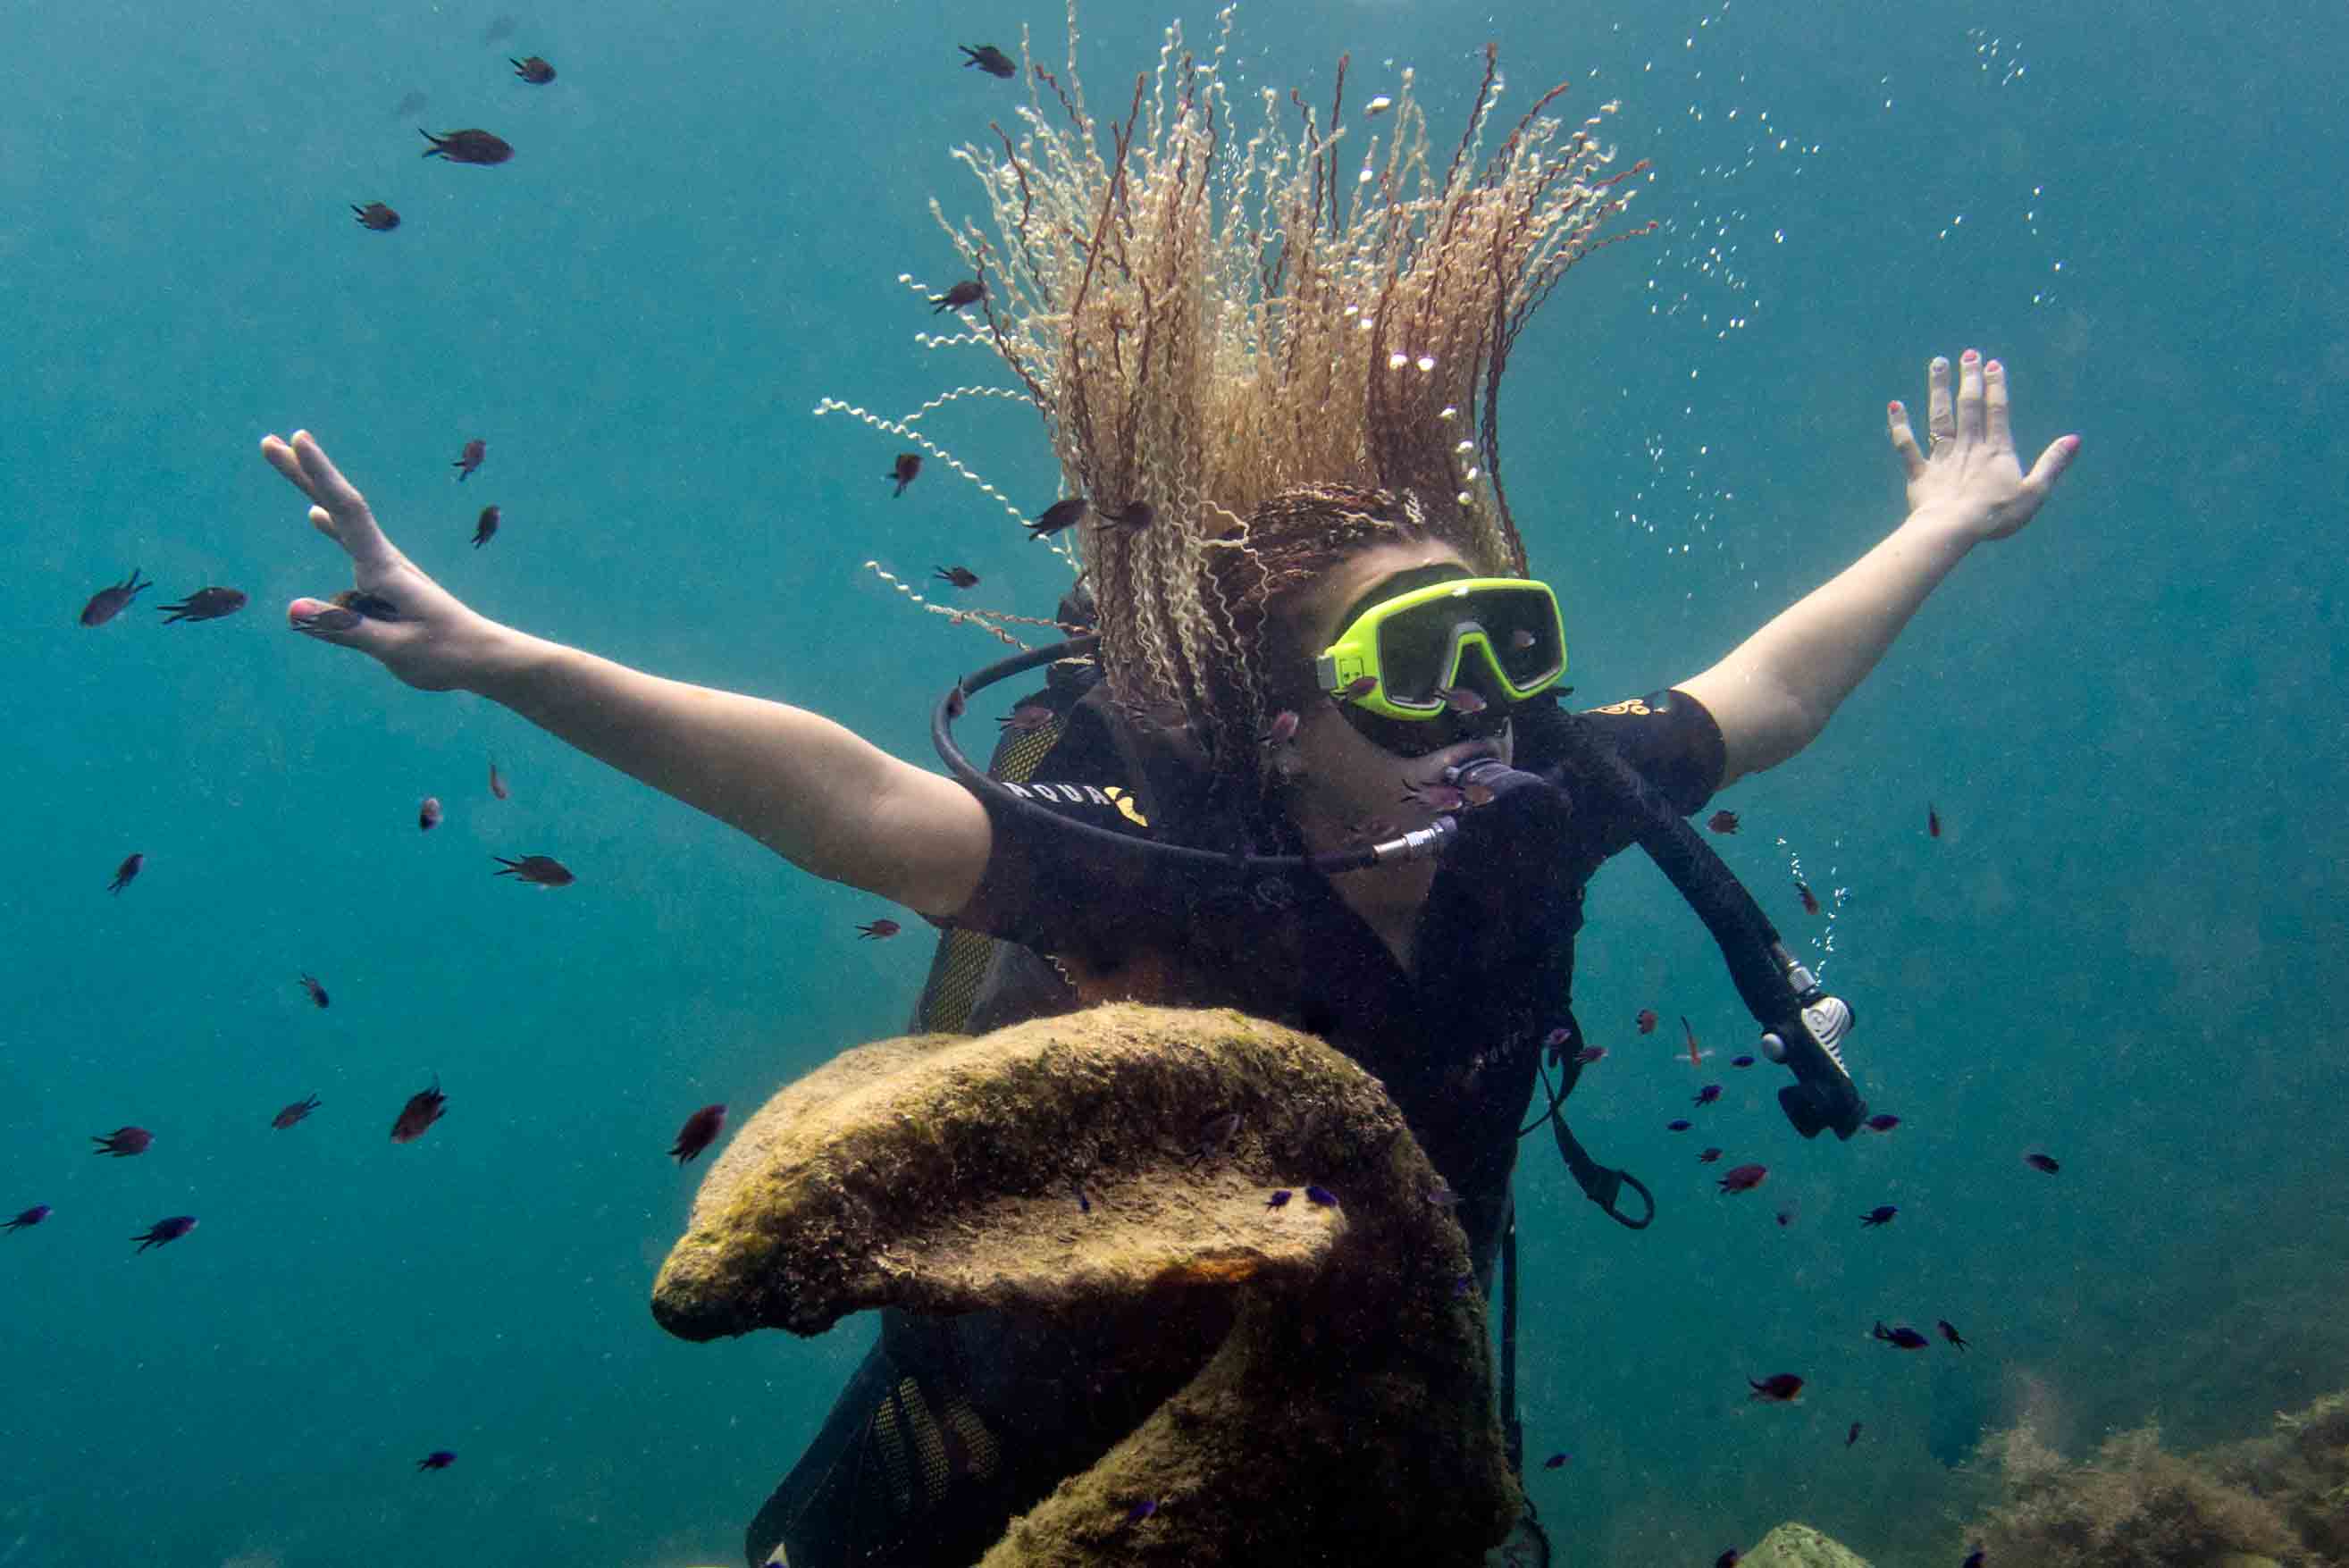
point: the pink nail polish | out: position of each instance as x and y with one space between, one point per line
1994 368
1970 357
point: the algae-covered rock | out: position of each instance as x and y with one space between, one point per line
1793 1545
1345 1416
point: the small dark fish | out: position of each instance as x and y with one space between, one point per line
486 527
30 1217
1879 1215
1359 686
1973 1559
699 1131
1696 1057
1678 1124
988 58
1902 1337
317 993
879 930
1461 700
1215 1134
333 618
903 470
1142 1511
1778 1389
108 603
959 576
1729 1558
1085 1204
377 215
408 104
2045 1162
1723 821
1554 1462
123 1141
1708 1157
1025 719
1322 1196
1810 899
497 784
1134 516
1280 1198
969 292
1852 1436
1434 796
204 604
427 814
294 1113
1707 1094
540 870
438 1459
470 459
163 1231
1786 1216
1282 729
1461 1286
1744 1178
373 607
127 872
424 1107
1590 1054
531 69
1646 1020
1060 514
1442 1194
467 146
1882 1121
1949 1331
1740 1061
1933 821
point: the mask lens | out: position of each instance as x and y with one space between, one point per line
1417 646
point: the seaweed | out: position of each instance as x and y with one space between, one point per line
2281 1498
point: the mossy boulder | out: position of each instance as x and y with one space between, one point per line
1793 1545
1345 1417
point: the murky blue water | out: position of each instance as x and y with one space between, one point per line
2120 951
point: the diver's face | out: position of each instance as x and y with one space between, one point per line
1349 774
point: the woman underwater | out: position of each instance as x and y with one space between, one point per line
1311 601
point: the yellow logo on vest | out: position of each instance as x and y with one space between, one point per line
1126 807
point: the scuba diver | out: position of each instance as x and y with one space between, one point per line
1308 756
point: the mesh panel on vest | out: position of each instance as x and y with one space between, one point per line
960 962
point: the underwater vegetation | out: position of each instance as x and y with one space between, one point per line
2281 1499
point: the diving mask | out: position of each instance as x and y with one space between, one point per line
1401 657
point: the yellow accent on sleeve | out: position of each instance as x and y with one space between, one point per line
1631 704
1126 807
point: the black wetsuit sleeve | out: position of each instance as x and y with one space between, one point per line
1667 737
1060 892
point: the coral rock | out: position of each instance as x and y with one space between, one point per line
1793 1545
1345 1416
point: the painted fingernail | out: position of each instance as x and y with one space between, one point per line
1894 408
1940 364
1993 368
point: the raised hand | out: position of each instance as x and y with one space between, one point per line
410 625
1971 479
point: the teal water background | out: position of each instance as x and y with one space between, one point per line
2122 951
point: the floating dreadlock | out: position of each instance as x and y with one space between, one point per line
1282 352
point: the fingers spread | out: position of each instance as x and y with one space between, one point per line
1904 442
1970 397
341 512
1995 427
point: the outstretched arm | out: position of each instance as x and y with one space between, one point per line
1775 692
811 791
